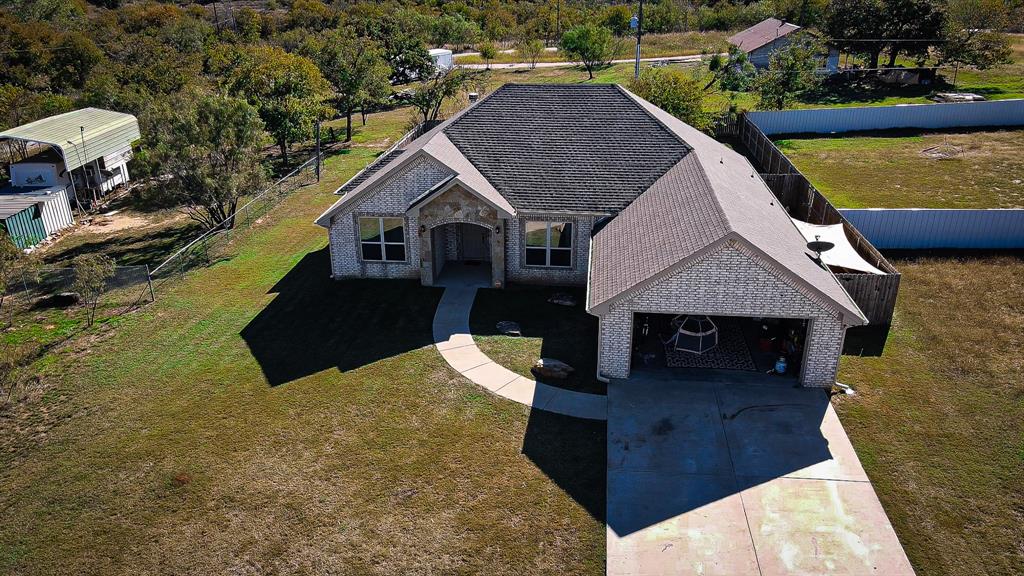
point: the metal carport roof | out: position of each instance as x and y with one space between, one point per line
104 132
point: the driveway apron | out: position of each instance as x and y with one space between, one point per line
710 478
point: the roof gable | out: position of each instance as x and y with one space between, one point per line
694 206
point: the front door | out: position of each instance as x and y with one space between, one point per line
475 243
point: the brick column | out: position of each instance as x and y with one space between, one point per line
498 253
426 256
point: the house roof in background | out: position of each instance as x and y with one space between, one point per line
565 148
761 34
105 132
712 194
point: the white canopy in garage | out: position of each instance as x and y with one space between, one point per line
844 255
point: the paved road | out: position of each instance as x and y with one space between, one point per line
519 65
733 480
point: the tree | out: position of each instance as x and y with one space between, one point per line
355 67
912 27
209 154
488 51
249 24
311 15
401 45
72 61
852 26
971 34
801 12
530 51
665 16
791 72
732 72
287 89
589 45
14 264
92 271
616 18
428 96
454 30
675 92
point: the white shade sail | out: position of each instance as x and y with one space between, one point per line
844 255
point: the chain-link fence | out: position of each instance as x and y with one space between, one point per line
34 291
215 244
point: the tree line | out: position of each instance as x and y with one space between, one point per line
212 84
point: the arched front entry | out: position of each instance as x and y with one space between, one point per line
463 252
457 228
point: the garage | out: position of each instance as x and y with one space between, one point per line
694 345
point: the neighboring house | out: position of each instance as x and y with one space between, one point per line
592 185
763 39
72 158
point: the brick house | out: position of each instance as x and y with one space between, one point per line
593 186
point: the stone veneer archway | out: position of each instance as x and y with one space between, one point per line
458 206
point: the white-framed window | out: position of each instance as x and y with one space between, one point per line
382 239
549 244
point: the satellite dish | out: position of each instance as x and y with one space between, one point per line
820 246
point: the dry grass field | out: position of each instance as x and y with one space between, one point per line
938 419
893 170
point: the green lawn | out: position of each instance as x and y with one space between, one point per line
890 170
938 420
162 446
549 331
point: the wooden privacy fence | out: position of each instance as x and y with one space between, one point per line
924 228
875 294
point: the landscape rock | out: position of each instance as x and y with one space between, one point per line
509 328
563 299
551 368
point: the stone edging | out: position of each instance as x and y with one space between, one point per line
455 343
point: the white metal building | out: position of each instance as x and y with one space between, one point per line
74 159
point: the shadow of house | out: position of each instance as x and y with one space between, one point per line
567 333
675 447
315 323
572 452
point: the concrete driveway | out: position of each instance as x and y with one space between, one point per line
757 478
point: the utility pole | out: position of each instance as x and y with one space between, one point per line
639 33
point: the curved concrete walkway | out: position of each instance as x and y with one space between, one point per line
455 343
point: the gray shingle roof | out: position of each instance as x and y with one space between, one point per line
565 148
675 218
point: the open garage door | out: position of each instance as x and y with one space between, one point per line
698 345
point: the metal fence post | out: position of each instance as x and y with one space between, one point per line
149 280
317 150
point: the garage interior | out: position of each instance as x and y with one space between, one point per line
687 344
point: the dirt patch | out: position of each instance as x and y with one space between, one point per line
115 223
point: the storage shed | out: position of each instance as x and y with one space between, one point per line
22 220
